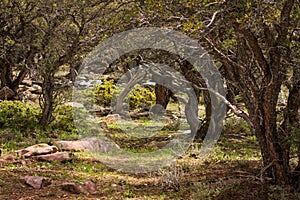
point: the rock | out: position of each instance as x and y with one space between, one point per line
75 104
36 182
6 93
70 145
99 145
8 157
94 144
58 157
27 82
38 149
87 187
112 118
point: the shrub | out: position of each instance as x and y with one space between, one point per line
18 115
63 119
67 127
104 93
139 97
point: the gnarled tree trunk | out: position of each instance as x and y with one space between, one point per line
47 100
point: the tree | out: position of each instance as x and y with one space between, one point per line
255 41
261 57
44 36
17 47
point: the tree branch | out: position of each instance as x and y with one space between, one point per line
256 49
234 109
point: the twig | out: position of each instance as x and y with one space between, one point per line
263 170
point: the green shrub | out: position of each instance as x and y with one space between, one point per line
139 97
63 119
17 115
104 93
66 126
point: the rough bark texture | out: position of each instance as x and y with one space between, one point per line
48 95
258 70
163 95
9 86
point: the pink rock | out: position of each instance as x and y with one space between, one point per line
36 182
87 187
38 149
58 157
70 145
8 157
93 144
112 118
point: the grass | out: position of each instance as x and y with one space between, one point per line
230 171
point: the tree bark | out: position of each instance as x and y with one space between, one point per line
163 95
48 90
274 149
9 85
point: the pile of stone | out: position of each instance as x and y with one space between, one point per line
30 90
60 151
44 152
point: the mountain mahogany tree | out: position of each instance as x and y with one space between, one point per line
257 43
45 36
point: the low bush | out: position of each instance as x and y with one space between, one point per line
63 119
17 115
139 97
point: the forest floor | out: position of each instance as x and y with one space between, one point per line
231 171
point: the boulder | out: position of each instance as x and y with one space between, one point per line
95 144
70 145
38 149
87 187
6 93
99 145
57 157
36 182
112 118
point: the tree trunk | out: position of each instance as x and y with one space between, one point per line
163 95
208 112
9 87
291 124
275 160
48 88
